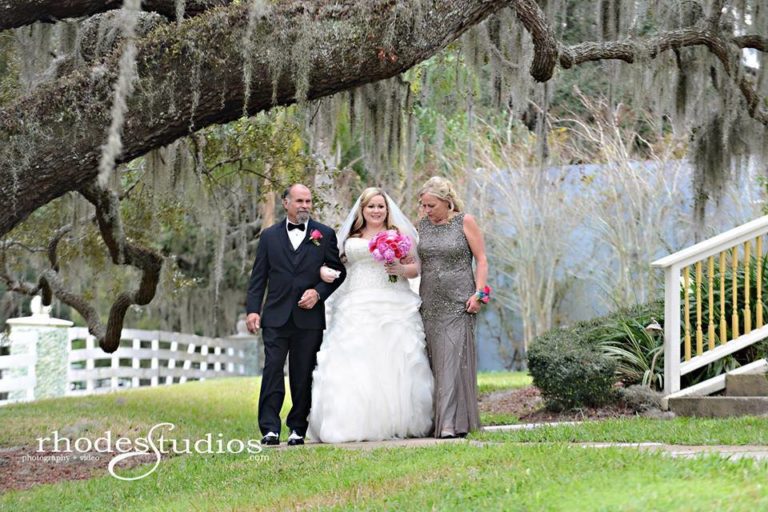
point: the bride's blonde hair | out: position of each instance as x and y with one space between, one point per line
365 198
443 189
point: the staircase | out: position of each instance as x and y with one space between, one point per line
714 308
746 394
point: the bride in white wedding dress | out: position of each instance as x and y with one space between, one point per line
373 379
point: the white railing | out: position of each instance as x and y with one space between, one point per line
723 252
17 377
144 358
150 358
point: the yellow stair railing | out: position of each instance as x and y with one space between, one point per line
698 276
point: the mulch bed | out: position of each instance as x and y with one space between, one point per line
22 467
528 406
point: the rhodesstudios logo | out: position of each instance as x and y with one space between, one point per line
157 445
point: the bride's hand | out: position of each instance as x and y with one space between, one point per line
328 275
395 268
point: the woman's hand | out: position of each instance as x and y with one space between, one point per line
473 304
395 268
328 275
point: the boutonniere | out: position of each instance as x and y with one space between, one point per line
316 236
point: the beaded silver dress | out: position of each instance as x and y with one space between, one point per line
447 281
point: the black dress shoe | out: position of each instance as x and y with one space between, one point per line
295 439
270 440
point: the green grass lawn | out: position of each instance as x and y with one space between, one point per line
448 477
488 382
194 407
226 405
500 475
691 431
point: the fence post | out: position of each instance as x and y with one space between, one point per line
46 340
671 329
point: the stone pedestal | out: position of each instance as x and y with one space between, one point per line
46 340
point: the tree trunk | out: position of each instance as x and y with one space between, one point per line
191 75
18 13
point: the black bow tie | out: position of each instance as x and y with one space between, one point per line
295 226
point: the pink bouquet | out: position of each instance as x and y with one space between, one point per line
388 246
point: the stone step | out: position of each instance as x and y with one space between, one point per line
746 384
719 406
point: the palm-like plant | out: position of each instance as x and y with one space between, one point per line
638 352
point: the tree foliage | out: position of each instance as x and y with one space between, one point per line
203 63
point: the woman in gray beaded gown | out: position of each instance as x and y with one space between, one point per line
451 297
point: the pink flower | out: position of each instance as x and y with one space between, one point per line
484 295
316 236
388 246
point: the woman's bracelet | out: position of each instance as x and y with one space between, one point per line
484 295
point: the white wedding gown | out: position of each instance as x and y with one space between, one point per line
373 379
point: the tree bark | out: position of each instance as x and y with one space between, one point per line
217 66
18 13
544 42
191 76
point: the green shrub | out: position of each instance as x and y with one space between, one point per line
570 373
578 366
570 366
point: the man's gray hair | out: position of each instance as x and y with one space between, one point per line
287 191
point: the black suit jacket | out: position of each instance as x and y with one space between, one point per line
284 274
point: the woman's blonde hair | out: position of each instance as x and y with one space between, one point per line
365 198
443 189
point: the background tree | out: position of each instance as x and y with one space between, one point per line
83 96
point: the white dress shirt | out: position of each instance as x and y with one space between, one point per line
296 236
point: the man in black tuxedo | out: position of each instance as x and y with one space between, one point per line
287 268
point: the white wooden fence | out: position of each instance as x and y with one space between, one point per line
144 358
150 358
17 373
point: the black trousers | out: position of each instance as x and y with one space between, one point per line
300 346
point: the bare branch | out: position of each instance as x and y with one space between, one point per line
53 246
122 252
754 41
630 50
704 34
56 285
544 42
731 62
